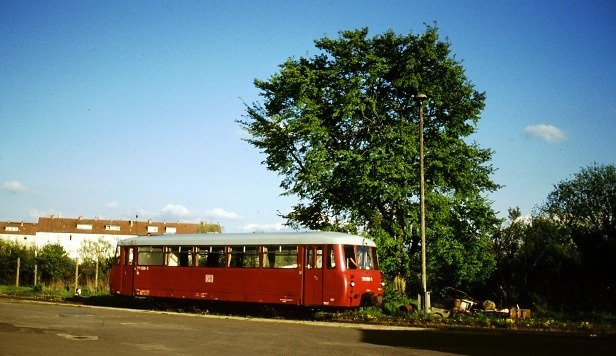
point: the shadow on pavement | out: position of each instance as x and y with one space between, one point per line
493 342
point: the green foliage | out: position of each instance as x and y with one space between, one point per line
88 273
460 264
393 300
562 258
9 253
95 250
55 265
204 228
95 262
585 206
392 256
341 128
537 265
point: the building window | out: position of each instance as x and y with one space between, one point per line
84 226
170 230
11 228
152 228
112 227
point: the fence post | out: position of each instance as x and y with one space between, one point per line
35 266
76 276
17 275
96 276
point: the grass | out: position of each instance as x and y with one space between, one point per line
46 293
589 323
36 292
389 314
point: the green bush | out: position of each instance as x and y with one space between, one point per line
55 265
393 300
9 253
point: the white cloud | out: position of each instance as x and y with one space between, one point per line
548 133
175 211
14 186
220 213
35 213
182 213
112 205
265 227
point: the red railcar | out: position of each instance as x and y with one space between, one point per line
308 268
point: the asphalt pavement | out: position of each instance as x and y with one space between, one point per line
43 328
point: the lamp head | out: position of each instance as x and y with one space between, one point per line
420 98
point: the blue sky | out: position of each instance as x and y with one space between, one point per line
128 108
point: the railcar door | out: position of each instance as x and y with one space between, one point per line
128 271
313 275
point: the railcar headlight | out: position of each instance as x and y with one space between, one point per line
352 283
382 284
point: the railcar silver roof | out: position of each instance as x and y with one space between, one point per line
276 238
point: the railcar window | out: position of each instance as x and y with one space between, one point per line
186 256
150 256
129 256
349 256
178 256
211 256
243 256
331 260
375 259
124 256
117 256
172 256
364 259
319 261
309 257
275 256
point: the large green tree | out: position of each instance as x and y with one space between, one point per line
536 265
341 128
585 206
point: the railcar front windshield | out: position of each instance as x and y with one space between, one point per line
360 257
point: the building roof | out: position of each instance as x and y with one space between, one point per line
17 228
82 225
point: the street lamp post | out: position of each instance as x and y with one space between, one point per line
420 98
